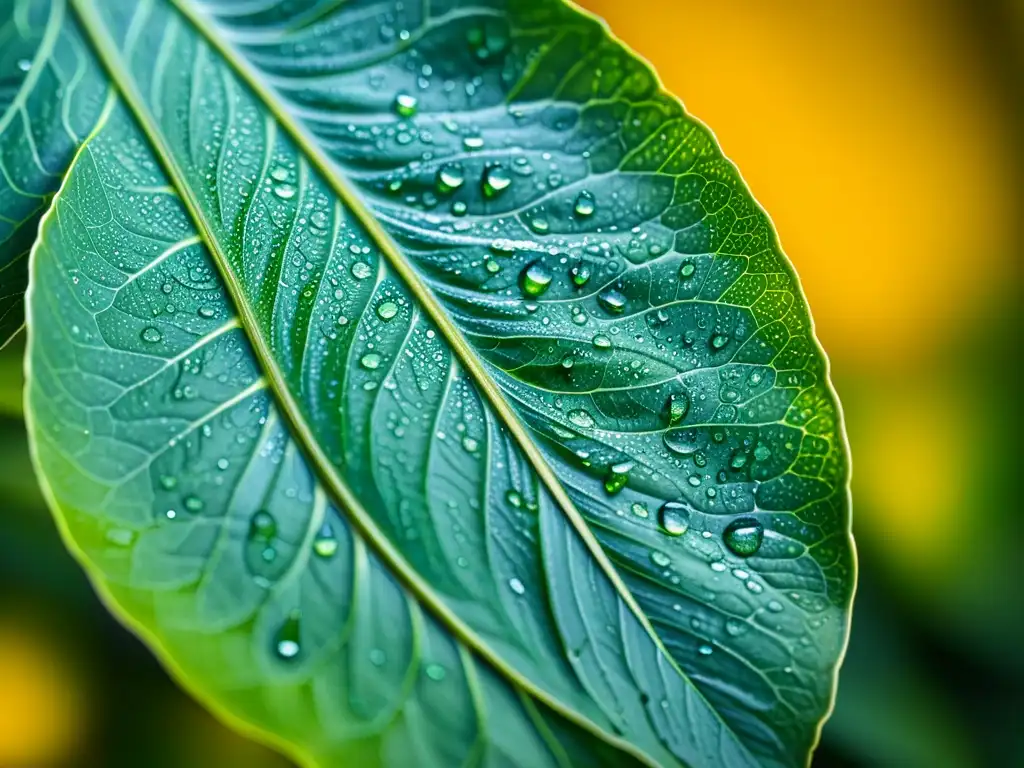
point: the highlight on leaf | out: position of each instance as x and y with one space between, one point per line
423 384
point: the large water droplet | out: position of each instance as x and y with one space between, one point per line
361 270
677 406
517 586
674 518
660 559
263 525
496 180
370 361
719 340
612 301
536 279
326 543
387 310
24 65
152 335
405 105
319 219
581 418
602 342
686 270
284 191
617 478
744 536
451 176
584 204
681 441
286 642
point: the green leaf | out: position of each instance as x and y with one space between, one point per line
50 94
426 388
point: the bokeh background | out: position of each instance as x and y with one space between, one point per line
884 137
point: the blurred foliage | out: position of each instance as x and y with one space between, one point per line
883 139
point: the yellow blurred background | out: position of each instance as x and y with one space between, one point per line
884 140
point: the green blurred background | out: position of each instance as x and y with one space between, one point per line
884 139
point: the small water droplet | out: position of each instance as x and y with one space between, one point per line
517 586
470 444
719 340
686 270
378 657
568 361
279 173
612 301
370 361
387 310
639 510
435 672
762 452
405 105
514 498
496 180
674 518
361 270
580 274
660 559
193 503
152 335
24 65
584 204
602 342
284 191
744 536
705 650
536 278
738 460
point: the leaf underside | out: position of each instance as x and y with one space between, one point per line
422 383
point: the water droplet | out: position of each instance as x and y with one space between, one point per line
193 503
318 219
639 510
286 642
459 208
517 586
738 460
744 536
263 525
762 452
536 279
612 301
677 406
370 361
705 650
681 441
207 312
496 180
378 657
581 418
617 480
279 173
435 672
514 498
660 559
152 335
568 361
719 340
284 191
451 176
473 142
580 274
325 544
405 105
361 270
602 342
470 444
24 65
674 518
686 270
387 310
584 204
168 482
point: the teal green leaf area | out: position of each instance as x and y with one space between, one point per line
425 387
51 93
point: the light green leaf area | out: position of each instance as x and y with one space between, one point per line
427 389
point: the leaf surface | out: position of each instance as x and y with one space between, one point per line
427 388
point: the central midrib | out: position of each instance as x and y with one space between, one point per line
118 70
